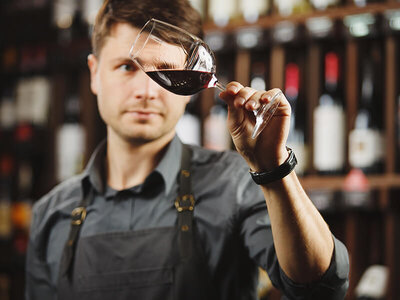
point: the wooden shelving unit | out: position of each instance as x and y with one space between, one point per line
376 182
336 13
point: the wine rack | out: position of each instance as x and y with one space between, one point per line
372 234
367 244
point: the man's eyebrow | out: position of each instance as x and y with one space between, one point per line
166 66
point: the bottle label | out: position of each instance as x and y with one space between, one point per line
70 150
364 147
329 136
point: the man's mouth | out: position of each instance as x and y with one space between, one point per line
143 114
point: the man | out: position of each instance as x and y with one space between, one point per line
155 219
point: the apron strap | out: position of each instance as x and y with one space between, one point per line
78 216
184 204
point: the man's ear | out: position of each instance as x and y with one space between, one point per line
93 64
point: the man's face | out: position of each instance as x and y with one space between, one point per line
134 107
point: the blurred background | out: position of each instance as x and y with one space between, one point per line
337 62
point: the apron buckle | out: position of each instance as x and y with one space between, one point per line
186 202
78 215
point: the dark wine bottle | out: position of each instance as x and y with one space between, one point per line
366 140
22 205
6 169
296 139
258 74
70 140
329 121
5 286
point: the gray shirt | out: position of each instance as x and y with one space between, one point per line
230 214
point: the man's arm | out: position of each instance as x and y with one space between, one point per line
38 281
303 241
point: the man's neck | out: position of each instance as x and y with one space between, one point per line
128 164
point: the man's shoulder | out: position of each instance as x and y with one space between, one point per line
219 164
204 156
61 197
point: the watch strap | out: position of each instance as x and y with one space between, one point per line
278 173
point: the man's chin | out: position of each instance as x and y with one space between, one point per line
145 137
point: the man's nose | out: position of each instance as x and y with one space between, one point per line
145 88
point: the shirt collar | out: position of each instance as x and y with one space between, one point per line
168 167
170 164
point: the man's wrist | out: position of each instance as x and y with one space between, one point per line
279 172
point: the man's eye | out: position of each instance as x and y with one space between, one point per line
127 68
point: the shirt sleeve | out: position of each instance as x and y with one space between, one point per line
38 279
257 237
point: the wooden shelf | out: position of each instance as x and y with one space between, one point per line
336 182
332 13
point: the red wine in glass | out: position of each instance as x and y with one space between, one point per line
183 82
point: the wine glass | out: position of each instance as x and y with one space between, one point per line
184 64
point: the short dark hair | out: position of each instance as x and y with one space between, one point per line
137 12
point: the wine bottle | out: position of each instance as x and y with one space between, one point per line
289 7
258 74
64 12
68 19
6 170
251 10
22 206
329 122
5 286
90 9
7 112
324 4
189 127
366 139
199 5
216 134
70 141
296 138
40 100
222 11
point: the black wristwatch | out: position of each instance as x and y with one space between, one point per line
277 173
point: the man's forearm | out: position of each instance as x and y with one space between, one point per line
302 239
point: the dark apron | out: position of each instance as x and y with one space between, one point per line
160 263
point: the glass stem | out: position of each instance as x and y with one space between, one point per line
220 86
